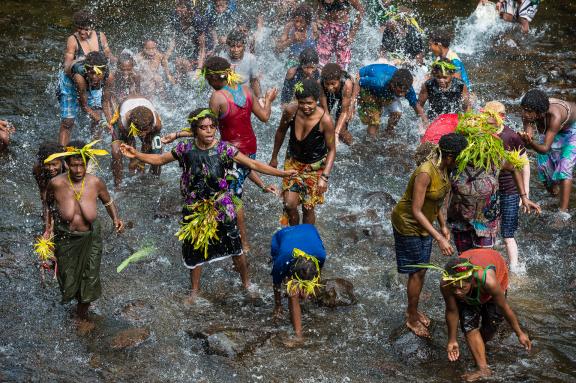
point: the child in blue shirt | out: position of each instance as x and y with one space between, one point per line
440 45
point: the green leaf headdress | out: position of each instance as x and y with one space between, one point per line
463 270
395 14
296 284
444 66
204 113
299 87
86 152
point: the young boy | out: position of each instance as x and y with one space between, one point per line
380 87
439 43
307 69
298 255
71 214
311 152
126 80
244 63
444 93
337 89
474 288
151 65
299 33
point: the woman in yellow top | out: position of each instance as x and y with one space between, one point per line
412 221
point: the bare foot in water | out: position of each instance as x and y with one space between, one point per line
554 189
417 327
84 326
293 341
191 298
423 319
476 375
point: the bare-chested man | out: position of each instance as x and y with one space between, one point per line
71 204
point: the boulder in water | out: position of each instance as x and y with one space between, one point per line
336 292
230 342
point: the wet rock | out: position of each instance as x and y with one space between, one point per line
231 342
337 292
378 200
409 347
221 344
571 74
137 310
131 337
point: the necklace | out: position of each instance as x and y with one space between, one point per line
77 195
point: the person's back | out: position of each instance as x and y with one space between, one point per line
376 78
235 123
487 259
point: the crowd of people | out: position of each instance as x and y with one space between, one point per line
471 169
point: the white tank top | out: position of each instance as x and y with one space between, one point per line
132 103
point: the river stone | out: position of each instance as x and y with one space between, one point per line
336 292
222 344
231 342
137 310
410 348
131 337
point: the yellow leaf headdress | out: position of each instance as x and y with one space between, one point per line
134 131
296 284
299 87
395 14
98 69
229 74
463 270
85 152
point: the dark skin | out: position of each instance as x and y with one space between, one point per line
343 16
444 81
441 51
307 69
236 51
333 87
300 34
475 339
306 114
43 173
205 138
219 106
295 312
549 123
62 205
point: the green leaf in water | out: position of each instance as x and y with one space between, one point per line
140 254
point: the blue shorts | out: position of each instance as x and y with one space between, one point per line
240 173
411 250
68 97
509 207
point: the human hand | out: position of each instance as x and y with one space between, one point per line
453 351
525 341
528 206
290 173
526 137
273 162
271 94
445 247
7 127
322 185
94 115
446 232
119 225
128 151
47 234
168 138
271 189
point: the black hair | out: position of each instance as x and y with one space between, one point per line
126 57
83 19
310 88
441 36
196 123
95 59
402 78
216 64
305 269
308 56
452 144
142 117
437 67
78 144
303 11
452 263
535 100
46 149
331 71
235 37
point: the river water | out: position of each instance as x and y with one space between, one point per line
363 342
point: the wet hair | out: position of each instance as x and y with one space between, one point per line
83 19
95 58
536 101
441 36
78 144
331 71
196 123
303 11
308 56
305 269
452 144
46 149
439 69
142 117
402 78
453 262
235 37
310 88
126 57
216 64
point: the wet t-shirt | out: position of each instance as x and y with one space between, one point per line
511 141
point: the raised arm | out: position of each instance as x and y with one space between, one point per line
152 159
284 40
261 166
106 48
263 113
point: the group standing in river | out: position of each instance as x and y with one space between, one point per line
471 178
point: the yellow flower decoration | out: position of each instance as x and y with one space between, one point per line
85 152
231 76
44 248
98 69
296 284
298 87
395 14
134 131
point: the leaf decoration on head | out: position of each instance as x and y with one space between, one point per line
296 283
395 14
232 78
86 152
134 131
44 248
204 113
444 66
463 271
98 69
299 87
